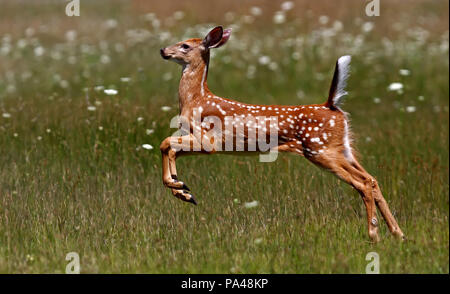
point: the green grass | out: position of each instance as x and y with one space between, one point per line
67 185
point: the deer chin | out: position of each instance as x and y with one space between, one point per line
179 61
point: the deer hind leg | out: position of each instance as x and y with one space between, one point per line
353 173
381 204
341 167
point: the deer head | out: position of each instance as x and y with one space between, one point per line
194 50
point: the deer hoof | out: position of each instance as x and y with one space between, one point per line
192 200
374 237
185 187
182 195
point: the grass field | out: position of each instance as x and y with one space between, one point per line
75 177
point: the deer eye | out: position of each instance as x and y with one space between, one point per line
185 46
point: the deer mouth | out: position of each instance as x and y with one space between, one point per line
163 55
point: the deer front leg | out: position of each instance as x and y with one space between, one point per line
169 149
168 159
181 194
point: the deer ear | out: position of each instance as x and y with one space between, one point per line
225 36
216 37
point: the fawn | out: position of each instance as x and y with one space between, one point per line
319 132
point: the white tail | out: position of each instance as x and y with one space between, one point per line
337 89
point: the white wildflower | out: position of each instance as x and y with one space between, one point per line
111 23
337 25
6 115
395 87
410 109
288 5
64 84
368 27
110 92
248 19
323 19
404 72
29 31
156 23
71 35
251 204
229 16
91 108
147 146
178 15
30 258
149 131
21 43
5 49
150 16
39 51
273 66
105 59
256 11
279 17
264 60
166 108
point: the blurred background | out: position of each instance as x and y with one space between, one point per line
86 100
287 49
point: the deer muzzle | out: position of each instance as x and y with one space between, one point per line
163 54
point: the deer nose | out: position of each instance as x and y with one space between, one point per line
163 55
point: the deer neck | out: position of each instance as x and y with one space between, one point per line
193 82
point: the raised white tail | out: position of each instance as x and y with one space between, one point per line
337 89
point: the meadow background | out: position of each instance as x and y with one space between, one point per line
78 172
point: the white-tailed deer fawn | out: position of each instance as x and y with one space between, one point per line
319 132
